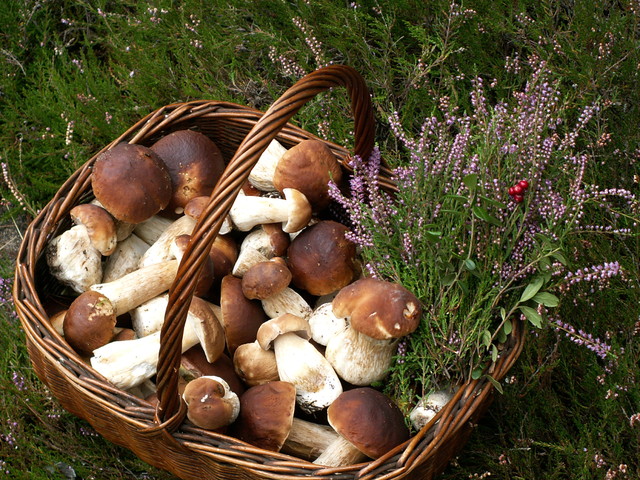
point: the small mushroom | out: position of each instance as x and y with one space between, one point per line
194 163
321 259
428 407
100 226
211 404
369 424
293 211
255 365
308 167
131 182
265 279
299 362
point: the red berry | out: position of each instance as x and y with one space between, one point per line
511 192
517 189
524 184
518 198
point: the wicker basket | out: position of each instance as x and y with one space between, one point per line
158 435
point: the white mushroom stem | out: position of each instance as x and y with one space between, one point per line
124 259
160 250
248 211
151 229
247 257
301 364
128 363
325 324
308 439
358 358
261 175
340 453
287 301
135 288
428 406
73 260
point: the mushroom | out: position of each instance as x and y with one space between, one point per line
299 362
308 167
211 404
369 424
160 250
267 421
261 175
194 364
428 407
321 259
93 314
293 211
196 206
325 324
124 259
75 256
73 260
254 365
129 363
100 226
379 313
262 243
151 229
266 415
268 282
131 182
194 163
240 317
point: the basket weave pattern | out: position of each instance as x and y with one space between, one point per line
159 435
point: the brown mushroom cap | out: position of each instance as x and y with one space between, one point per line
286 323
194 364
378 309
89 322
241 317
265 279
266 415
210 403
100 225
369 420
278 239
195 164
131 182
254 365
321 259
308 167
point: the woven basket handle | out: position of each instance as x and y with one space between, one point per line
170 411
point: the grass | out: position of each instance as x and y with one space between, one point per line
75 74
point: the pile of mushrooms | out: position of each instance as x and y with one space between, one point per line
284 335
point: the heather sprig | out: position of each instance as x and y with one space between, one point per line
478 257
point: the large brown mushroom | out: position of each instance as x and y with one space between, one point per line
195 164
369 425
321 259
131 182
308 167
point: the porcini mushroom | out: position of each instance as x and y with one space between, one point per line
379 313
308 167
261 175
428 407
211 404
129 363
299 362
255 365
321 259
194 163
131 182
369 424
124 259
293 211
